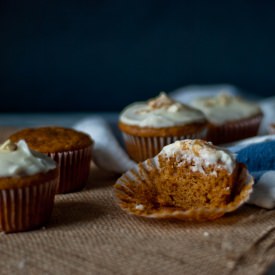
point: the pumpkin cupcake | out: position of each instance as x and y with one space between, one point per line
148 126
231 118
71 149
189 179
28 183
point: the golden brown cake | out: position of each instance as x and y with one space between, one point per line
230 117
28 184
71 149
189 179
148 126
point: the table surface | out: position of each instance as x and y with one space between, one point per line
90 234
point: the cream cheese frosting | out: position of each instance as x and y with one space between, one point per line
160 112
16 159
199 154
225 107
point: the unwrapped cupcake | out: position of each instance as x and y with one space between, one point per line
28 183
71 149
189 179
148 126
230 117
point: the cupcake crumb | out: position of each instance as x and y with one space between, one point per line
140 207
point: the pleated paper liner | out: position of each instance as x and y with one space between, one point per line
141 148
74 168
235 130
29 205
131 186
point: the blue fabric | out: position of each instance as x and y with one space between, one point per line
260 161
258 157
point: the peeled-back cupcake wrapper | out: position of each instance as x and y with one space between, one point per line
74 169
230 132
128 197
27 207
141 148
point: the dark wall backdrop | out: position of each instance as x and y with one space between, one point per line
76 55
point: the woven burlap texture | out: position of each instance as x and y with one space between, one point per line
90 234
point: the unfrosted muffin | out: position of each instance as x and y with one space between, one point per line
71 149
28 183
230 117
189 179
148 126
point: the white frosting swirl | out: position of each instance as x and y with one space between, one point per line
225 107
199 154
160 112
19 160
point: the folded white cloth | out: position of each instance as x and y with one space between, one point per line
109 155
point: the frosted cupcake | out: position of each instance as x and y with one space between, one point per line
28 183
71 149
230 118
148 126
189 179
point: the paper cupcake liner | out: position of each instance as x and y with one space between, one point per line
141 148
131 201
26 208
74 169
233 131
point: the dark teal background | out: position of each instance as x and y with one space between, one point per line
101 55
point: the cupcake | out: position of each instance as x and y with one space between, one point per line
230 118
72 150
28 183
189 179
148 126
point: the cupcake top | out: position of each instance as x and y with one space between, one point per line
200 154
53 139
225 107
160 112
16 159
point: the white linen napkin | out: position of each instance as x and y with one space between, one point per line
107 153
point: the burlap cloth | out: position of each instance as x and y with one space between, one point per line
89 234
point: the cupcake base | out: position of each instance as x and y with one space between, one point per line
142 148
233 131
28 203
74 169
144 143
